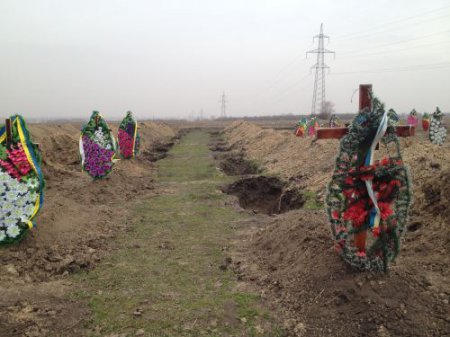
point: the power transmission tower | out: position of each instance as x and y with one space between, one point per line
223 112
318 101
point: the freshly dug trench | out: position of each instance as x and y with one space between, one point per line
234 164
158 151
219 146
267 195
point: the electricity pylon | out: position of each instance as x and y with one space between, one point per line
318 101
223 107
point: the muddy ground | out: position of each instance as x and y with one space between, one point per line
290 258
80 216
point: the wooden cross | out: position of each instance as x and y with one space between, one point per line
365 102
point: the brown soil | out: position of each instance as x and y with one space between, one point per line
235 164
265 194
78 218
292 262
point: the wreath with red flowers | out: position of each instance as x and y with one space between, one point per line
362 243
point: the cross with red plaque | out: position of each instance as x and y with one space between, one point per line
365 102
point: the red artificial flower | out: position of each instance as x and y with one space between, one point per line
349 180
385 210
361 254
395 182
357 213
335 215
376 231
384 161
365 177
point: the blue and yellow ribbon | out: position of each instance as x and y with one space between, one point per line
32 159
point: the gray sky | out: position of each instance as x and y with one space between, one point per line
65 58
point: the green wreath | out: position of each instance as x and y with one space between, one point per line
97 147
438 132
21 182
367 236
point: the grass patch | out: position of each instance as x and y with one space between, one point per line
312 201
165 276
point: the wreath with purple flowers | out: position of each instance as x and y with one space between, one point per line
97 147
128 136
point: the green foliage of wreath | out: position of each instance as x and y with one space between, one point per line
97 147
21 183
348 205
438 132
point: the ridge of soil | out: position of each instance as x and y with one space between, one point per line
79 218
291 260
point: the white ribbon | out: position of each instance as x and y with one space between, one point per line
81 150
369 161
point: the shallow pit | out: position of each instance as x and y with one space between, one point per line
268 195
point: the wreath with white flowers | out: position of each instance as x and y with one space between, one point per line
128 136
438 132
334 121
21 182
368 201
97 147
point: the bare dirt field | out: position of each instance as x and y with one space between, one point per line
80 216
157 248
291 259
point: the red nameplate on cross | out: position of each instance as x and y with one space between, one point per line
364 102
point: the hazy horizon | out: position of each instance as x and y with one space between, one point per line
172 59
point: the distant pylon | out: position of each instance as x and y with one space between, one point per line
318 101
223 107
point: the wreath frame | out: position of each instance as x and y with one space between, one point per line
350 174
97 122
21 166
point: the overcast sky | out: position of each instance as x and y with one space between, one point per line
165 58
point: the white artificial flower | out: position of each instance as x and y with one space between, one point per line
11 195
7 206
33 183
31 197
21 202
2 235
13 231
16 213
28 210
22 189
9 221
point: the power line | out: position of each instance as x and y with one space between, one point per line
393 22
431 66
394 43
318 101
395 50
